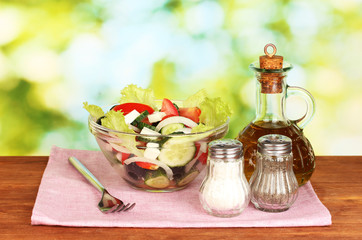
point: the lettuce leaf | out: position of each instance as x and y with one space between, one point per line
115 120
214 112
93 110
201 128
133 93
196 99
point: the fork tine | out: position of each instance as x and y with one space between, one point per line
110 209
123 207
130 207
119 206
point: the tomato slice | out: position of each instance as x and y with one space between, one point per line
168 108
203 156
129 107
192 113
125 156
147 165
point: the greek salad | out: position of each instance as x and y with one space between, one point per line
160 144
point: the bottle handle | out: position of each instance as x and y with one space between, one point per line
309 100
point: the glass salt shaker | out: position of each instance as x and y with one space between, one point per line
225 192
274 187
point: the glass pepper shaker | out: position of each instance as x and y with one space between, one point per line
274 187
225 192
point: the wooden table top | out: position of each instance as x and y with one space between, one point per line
337 182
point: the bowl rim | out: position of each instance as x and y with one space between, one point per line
93 124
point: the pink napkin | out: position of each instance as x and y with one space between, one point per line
66 198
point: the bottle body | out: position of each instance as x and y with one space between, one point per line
274 187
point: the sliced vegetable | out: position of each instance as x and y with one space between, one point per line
129 107
119 148
146 140
122 156
177 152
146 165
168 170
188 178
142 125
203 158
170 128
157 179
142 116
140 122
192 113
176 119
168 108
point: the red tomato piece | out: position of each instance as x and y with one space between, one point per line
125 156
192 113
203 156
147 165
168 108
129 107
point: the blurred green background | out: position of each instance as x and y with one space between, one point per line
54 55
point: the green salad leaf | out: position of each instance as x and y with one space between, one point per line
135 94
196 99
93 110
214 112
201 128
115 120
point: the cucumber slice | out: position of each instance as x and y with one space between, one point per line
177 152
159 140
157 179
142 116
188 178
138 121
168 129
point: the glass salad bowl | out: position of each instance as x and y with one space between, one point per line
156 163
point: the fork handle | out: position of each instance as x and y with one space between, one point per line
86 173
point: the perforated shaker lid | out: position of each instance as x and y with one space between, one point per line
274 145
227 149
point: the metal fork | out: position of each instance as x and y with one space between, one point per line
108 203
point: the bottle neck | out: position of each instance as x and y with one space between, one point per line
270 105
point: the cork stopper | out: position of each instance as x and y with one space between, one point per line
270 60
271 82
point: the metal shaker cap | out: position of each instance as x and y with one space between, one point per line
274 145
226 149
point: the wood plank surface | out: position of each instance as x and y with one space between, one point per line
337 182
